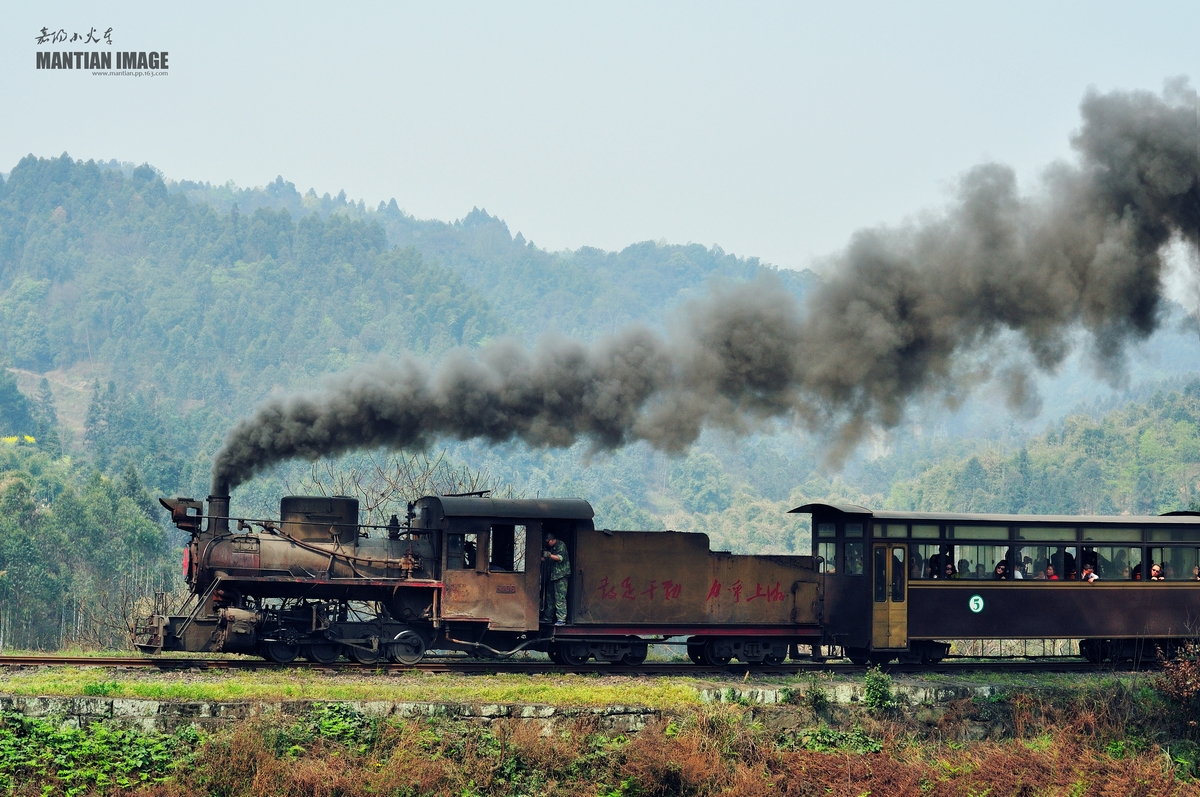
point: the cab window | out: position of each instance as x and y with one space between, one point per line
462 551
506 545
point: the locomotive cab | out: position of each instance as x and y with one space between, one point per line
491 561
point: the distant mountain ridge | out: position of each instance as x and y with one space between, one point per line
582 293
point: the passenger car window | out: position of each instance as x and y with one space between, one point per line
1047 562
897 573
854 559
979 532
854 530
1115 563
1191 534
1039 534
826 530
881 581
1177 564
828 553
1112 535
978 562
931 561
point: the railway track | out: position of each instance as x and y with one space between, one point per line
1062 664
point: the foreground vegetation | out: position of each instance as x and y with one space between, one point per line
1121 741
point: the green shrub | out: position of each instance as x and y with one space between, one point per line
96 759
877 690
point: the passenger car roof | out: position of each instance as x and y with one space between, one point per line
1012 520
849 509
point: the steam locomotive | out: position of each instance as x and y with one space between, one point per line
466 573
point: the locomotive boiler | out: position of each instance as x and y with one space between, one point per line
466 573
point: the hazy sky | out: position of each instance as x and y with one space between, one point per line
771 129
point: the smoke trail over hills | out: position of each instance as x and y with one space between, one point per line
908 312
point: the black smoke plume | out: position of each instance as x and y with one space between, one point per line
902 316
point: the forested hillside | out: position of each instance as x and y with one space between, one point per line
160 291
1142 459
581 293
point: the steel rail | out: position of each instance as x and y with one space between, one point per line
461 665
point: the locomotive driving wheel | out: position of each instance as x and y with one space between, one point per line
280 651
323 652
408 648
365 655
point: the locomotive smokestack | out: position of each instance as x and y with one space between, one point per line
993 287
218 510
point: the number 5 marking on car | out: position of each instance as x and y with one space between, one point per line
975 603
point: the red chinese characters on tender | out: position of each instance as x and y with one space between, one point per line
770 593
669 590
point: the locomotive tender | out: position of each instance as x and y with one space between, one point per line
466 573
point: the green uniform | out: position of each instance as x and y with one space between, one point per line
556 596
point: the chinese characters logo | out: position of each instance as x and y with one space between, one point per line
48 36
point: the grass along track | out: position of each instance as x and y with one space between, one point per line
1065 664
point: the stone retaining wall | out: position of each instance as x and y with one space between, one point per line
167 715
848 693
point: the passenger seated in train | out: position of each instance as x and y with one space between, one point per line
1050 574
1156 573
1015 570
1089 573
935 567
1195 572
964 568
916 568
950 571
980 571
1001 571
1137 572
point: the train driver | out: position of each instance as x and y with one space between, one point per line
560 569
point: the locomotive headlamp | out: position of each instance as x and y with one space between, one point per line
186 513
